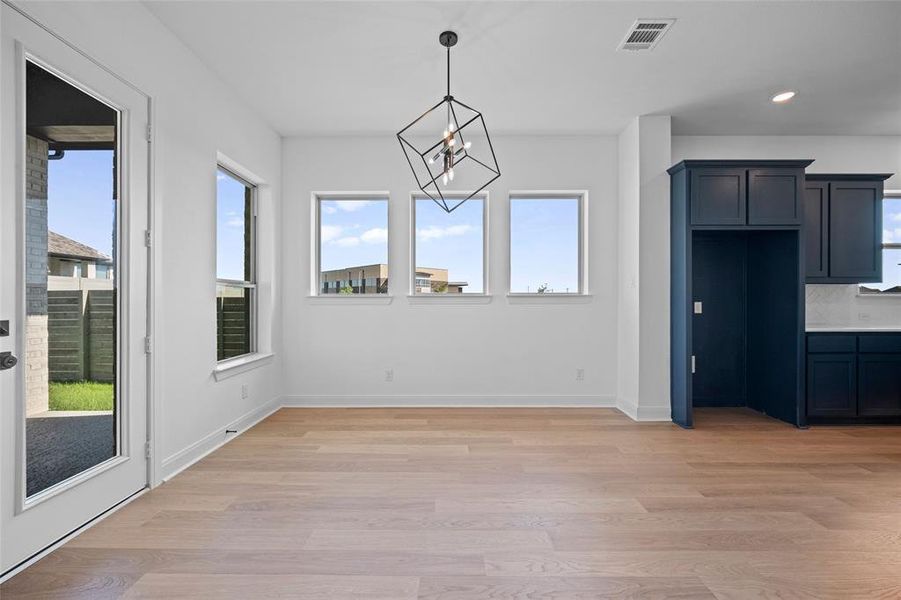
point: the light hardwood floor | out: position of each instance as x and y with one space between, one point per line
505 503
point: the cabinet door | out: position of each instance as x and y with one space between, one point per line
831 385
879 390
718 197
774 196
816 229
855 231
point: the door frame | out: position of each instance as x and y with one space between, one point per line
125 337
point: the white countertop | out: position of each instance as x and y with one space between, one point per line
852 328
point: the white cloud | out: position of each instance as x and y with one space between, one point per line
347 242
436 233
329 210
351 205
375 235
235 222
328 233
219 176
891 236
895 217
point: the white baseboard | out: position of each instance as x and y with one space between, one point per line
643 413
448 401
181 460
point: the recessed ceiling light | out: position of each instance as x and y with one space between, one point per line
783 97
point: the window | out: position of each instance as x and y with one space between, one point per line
235 266
891 248
546 243
449 248
352 233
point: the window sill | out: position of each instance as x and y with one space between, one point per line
351 299
241 364
449 298
516 298
895 295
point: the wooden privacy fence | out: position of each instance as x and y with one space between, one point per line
232 326
82 340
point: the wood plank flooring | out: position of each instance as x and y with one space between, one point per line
447 504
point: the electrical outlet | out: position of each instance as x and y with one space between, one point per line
389 375
244 390
580 374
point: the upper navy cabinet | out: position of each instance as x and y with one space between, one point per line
745 193
843 228
775 196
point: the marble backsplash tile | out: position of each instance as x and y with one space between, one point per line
841 306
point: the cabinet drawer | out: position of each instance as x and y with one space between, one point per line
831 343
880 343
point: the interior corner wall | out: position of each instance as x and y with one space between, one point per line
501 353
827 305
196 116
644 322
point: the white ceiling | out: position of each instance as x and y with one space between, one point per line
552 67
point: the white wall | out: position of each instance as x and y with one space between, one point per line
643 335
196 116
495 353
827 305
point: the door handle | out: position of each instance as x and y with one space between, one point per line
7 361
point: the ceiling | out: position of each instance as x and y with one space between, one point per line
552 67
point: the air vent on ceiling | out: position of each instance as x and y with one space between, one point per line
645 34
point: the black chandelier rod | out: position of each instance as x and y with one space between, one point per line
448 71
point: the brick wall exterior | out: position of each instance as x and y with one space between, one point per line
36 332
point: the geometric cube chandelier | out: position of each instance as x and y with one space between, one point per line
462 158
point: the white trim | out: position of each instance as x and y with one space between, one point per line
449 298
315 248
347 299
240 364
184 458
582 196
644 413
449 401
518 298
484 196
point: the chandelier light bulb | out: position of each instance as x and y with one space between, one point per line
467 145
451 174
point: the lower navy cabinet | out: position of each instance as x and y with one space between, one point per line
832 385
854 377
880 385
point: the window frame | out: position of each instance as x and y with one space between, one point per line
484 196
252 283
883 246
582 242
316 199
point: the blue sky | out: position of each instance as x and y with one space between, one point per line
353 233
544 244
229 227
80 198
451 241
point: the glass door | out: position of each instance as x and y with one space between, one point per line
74 272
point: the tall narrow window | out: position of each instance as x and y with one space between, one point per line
449 248
546 244
352 256
891 249
235 266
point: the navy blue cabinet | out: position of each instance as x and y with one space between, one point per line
843 228
718 196
775 196
831 385
854 377
754 193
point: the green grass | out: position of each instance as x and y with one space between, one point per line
81 395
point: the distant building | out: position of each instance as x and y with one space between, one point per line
373 279
68 258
